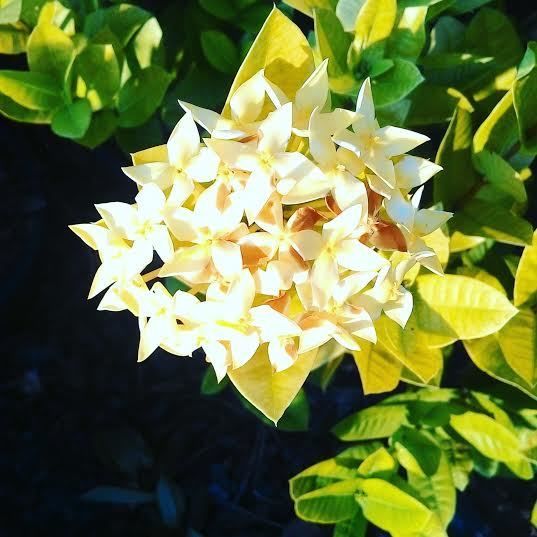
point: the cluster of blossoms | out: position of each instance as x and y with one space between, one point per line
283 224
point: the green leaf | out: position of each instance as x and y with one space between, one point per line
518 342
458 177
297 415
36 91
72 120
489 437
533 519
13 39
220 51
30 11
391 509
349 457
279 43
96 71
470 308
332 41
463 6
408 37
397 83
421 447
221 9
374 24
124 20
437 490
252 18
370 423
447 35
10 11
454 69
270 392
499 132
525 98
9 108
50 51
378 464
118 495
500 173
347 11
482 218
379 370
525 282
433 104
379 67
102 126
352 527
319 476
210 385
141 95
487 355
330 504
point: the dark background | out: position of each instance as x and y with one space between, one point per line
74 401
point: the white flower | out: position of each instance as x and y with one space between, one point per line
375 145
271 167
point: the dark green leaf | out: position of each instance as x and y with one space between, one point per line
297 415
352 527
210 385
433 104
222 9
102 126
141 95
9 108
72 120
220 51
421 447
447 35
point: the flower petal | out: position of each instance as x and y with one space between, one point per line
307 243
399 310
247 101
397 141
184 142
159 173
227 258
354 255
411 171
272 324
276 130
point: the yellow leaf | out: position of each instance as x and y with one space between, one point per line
374 22
379 370
460 242
271 393
409 346
283 51
439 242
481 275
526 280
307 6
518 342
486 354
470 308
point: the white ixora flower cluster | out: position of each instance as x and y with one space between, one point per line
282 223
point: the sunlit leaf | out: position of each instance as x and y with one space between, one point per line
13 39
36 91
379 464
525 280
379 370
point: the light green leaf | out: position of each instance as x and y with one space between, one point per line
374 24
482 218
220 51
72 120
500 173
437 491
147 44
533 519
378 464
391 509
471 309
379 370
36 91
455 156
9 108
518 342
332 41
279 44
13 39
525 98
487 355
141 95
490 438
10 11
350 456
408 37
269 392
421 447
525 280
319 476
347 11
481 275
50 51
353 527
330 504
370 423
96 72
308 6
396 83
499 132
